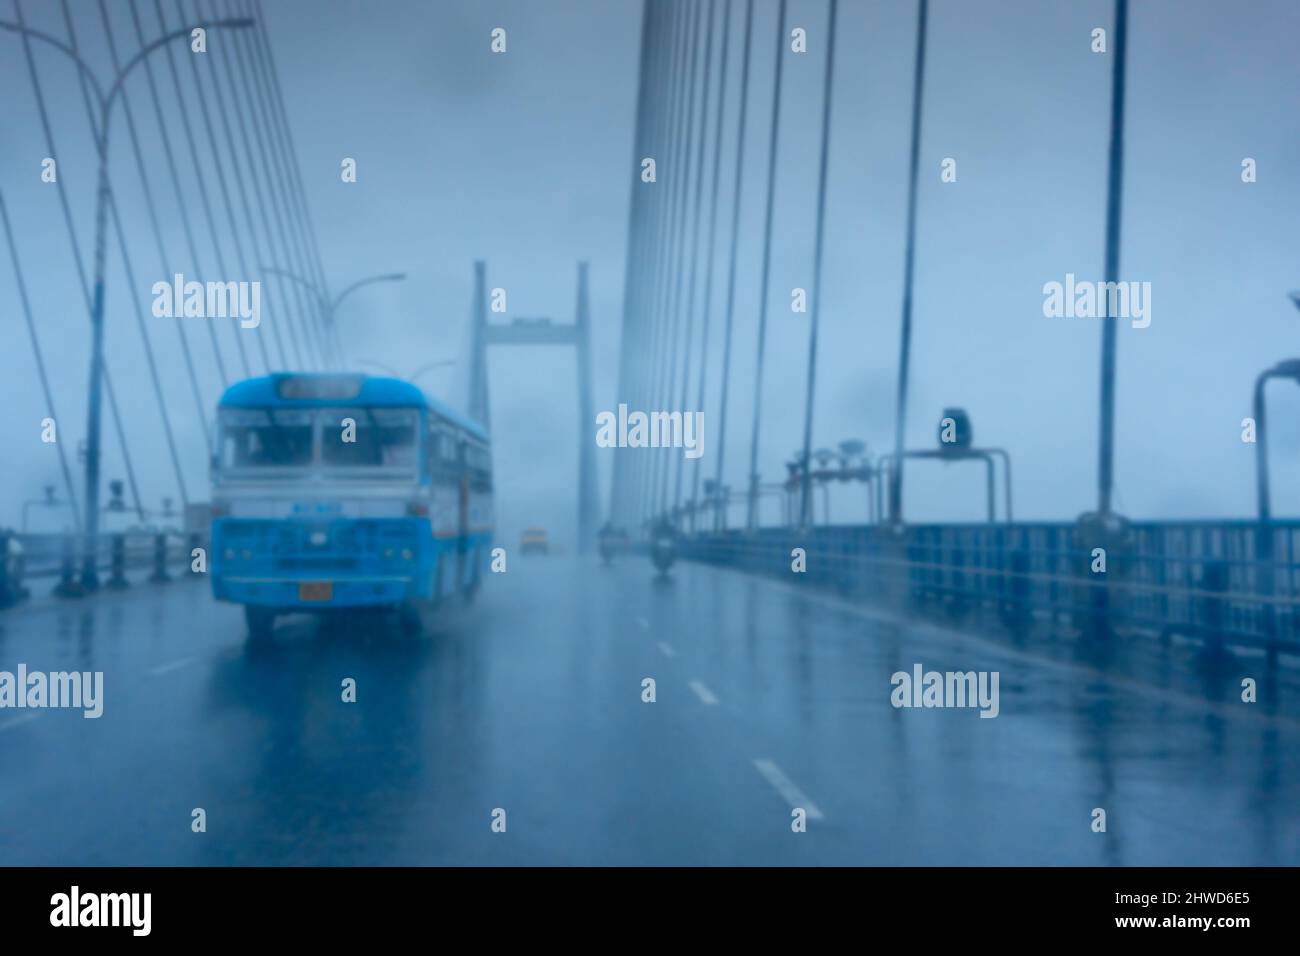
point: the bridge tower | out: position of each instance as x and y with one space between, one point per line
542 331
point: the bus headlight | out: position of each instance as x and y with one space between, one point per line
228 554
406 554
246 555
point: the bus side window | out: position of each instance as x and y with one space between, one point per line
449 459
432 439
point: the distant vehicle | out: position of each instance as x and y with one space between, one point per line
345 491
534 541
663 546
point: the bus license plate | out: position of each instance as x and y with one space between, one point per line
315 590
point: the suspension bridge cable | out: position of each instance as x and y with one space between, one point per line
737 178
685 139
241 177
676 353
260 41
175 178
695 247
242 100
905 339
827 93
663 294
205 200
633 267
280 187
223 189
672 47
751 520
712 243
151 206
290 257
68 484
94 121
145 338
663 242
109 390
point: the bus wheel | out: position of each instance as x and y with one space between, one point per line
470 590
260 622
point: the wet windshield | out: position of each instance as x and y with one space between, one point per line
254 438
369 439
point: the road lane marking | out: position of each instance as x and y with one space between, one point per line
667 649
168 668
787 789
643 623
703 693
17 721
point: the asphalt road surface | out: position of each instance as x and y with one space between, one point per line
768 697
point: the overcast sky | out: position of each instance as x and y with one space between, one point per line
526 160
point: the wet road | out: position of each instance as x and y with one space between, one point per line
767 697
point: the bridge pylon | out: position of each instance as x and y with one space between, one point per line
541 331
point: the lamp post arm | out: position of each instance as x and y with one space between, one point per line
321 301
388 277
62 47
107 101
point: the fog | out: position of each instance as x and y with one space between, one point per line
525 159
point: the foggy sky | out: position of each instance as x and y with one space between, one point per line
526 160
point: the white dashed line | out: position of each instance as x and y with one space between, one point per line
643 623
17 721
168 668
703 693
667 649
786 788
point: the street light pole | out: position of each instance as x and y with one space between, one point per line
1114 192
89 572
330 306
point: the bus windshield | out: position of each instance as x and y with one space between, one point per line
365 441
265 440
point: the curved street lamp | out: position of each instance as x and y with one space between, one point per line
105 102
427 367
330 306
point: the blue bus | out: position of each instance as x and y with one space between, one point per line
346 491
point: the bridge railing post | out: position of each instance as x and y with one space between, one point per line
117 566
160 559
68 585
1213 606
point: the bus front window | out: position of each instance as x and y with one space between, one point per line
377 442
265 441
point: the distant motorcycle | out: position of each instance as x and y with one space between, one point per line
606 547
663 549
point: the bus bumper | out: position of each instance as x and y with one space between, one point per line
299 594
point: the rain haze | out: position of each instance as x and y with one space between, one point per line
526 161
377 560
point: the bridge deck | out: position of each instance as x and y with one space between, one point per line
531 701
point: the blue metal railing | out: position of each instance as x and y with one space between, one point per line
28 557
1221 582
